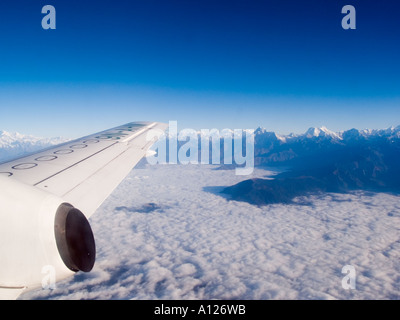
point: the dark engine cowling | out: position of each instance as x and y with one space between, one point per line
74 238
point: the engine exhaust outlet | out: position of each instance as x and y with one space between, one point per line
74 238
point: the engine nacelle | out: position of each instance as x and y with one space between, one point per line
38 230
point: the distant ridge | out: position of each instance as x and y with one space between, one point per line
323 161
272 149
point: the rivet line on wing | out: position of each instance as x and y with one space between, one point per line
74 164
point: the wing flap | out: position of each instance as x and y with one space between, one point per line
91 193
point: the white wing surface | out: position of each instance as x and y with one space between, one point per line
85 171
46 198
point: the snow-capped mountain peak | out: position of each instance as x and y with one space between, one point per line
321 132
270 134
16 144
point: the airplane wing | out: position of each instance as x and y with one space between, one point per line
47 197
85 171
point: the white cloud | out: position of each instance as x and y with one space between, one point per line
196 244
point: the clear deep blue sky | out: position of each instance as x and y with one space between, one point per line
284 65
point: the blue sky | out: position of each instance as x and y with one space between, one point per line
284 65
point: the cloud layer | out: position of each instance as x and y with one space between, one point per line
166 233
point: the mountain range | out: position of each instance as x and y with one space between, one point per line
13 145
318 160
321 160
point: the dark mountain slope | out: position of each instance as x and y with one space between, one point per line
353 161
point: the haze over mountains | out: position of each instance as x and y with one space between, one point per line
319 160
322 160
